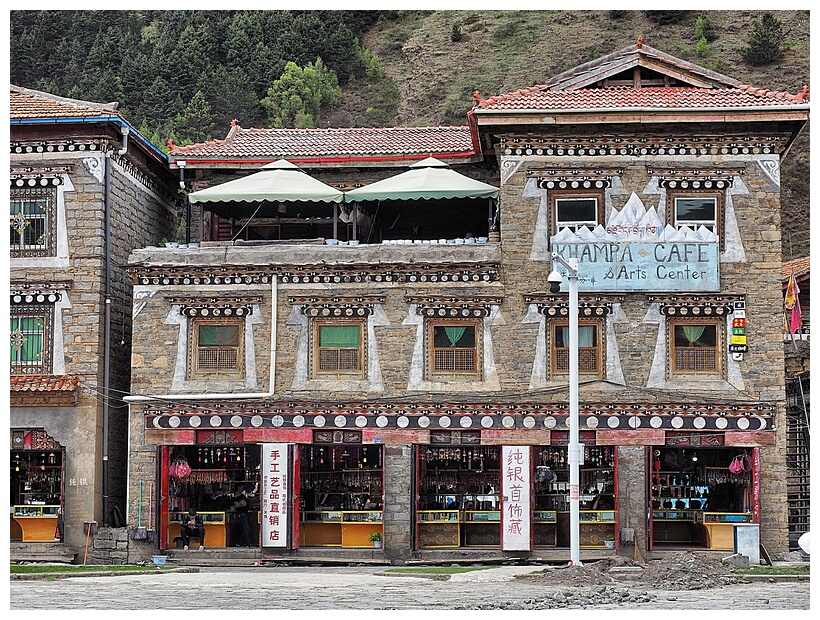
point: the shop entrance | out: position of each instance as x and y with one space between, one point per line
341 494
213 479
698 495
37 490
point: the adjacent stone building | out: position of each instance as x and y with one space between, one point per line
86 189
365 385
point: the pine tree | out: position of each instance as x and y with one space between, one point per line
764 42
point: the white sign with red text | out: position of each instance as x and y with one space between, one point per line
274 495
516 511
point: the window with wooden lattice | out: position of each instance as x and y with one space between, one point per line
453 348
217 347
30 339
590 348
338 349
33 222
695 346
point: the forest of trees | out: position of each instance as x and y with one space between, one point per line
186 74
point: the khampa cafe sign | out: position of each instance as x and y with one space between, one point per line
635 252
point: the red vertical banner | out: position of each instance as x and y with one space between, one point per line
756 484
162 521
296 504
516 506
274 498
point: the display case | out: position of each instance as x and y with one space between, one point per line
438 528
215 527
34 523
336 528
596 526
481 528
544 528
718 528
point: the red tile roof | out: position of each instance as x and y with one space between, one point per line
800 267
31 104
44 383
649 98
334 144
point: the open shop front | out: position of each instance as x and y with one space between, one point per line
341 491
459 500
211 478
700 494
36 486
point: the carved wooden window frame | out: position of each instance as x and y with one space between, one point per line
699 364
219 359
320 356
20 334
438 356
33 234
556 195
591 360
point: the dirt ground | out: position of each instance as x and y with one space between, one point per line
681 571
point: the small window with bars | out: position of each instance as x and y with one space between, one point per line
337 349
32 220
453 348
218 347
695 346
30 339
590 356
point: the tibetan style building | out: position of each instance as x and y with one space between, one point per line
379 352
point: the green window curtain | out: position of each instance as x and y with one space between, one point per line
586 336
693 332
454 334
218 336
339 336
29 346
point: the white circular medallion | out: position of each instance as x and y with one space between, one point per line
508 421
402 421
156 422
699 422
174 421
236 420
677 422
361 421
656 421
592 422
465 421
277 421
215 420
529 422
486 421
381 421
743 423
340 421
634 421
319 421
298 421
721 423
195 421
424 421
567 421
761 422
550 422
256 421
444 422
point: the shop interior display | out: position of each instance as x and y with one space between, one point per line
597 478
36 477
341 477
459 478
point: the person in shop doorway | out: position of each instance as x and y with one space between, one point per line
193 525
240 506
58 532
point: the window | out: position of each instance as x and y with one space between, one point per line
695 209
695 346
453 348
217 347
590 357
32 222
337 348
576 210
30 340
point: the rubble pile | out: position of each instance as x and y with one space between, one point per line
575 598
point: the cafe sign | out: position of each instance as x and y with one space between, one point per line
636 253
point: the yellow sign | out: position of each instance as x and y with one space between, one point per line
738 339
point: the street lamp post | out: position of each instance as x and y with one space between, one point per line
575 449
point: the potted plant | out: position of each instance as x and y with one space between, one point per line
609 542
376 539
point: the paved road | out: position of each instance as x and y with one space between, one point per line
356 588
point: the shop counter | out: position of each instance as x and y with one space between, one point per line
596 527
675 526
216 532
545 533
720 528
482 528
438 528
336 528
34 523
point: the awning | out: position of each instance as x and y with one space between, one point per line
427 179
279 181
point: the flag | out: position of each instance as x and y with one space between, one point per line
791 304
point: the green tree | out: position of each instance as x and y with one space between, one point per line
666 17
704 28
455 34
764 42
196 121
702 48
295 99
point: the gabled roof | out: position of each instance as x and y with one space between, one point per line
349 144
34 104
639 79
800 267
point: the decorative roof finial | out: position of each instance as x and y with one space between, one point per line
639 44
234 122
478 99
170 144
804 94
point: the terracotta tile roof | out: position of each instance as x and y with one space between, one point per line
329 144
800 267
44 383
31 104
654 98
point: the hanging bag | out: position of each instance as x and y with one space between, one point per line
736 466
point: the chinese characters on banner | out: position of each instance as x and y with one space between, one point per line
515 498
274 498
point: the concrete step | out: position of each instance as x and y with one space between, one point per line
46 552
